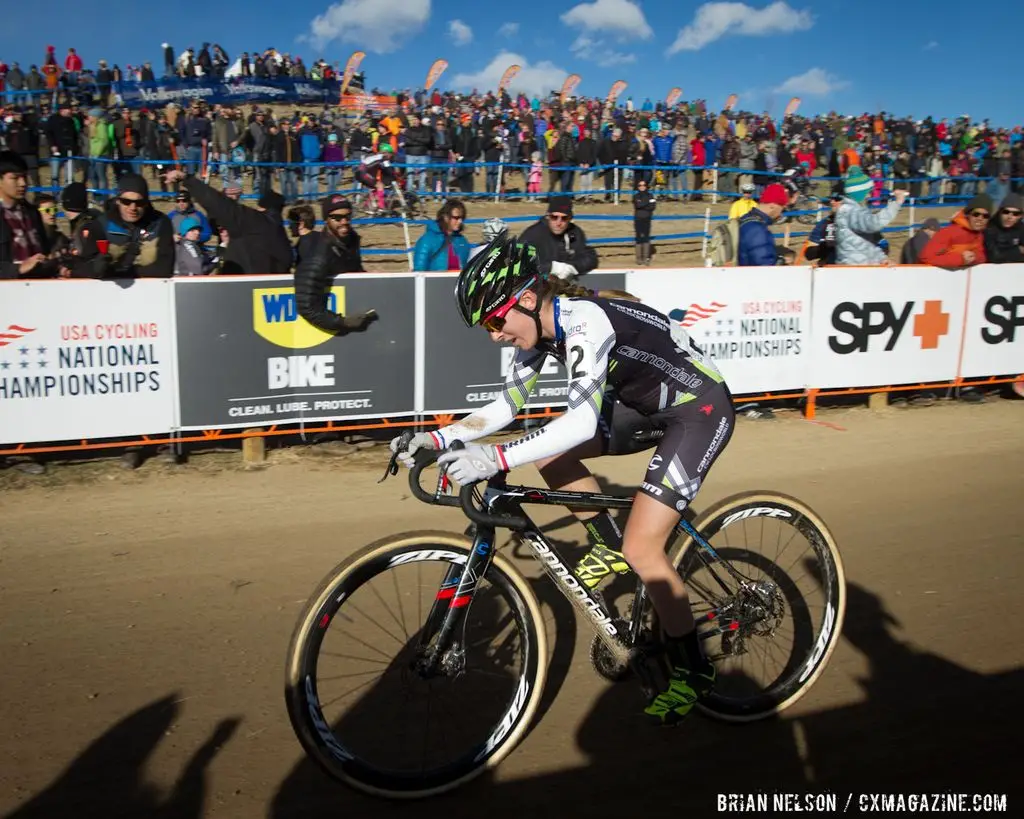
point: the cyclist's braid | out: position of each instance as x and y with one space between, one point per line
554 287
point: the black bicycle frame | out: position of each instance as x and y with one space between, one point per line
447 616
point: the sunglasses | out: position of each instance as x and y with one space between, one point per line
340 217
130 203
54 210
980 214
1010 212
558 217
495 320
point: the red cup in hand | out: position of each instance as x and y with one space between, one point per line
103 246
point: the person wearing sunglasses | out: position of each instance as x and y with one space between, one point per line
1004 236
628 368
336 251
962 242
560 243
139 238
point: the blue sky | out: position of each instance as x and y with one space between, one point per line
831 53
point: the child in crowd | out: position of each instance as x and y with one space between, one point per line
190 257
536 173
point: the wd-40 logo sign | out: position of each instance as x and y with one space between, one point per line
857 323
275 317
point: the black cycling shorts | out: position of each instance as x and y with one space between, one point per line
692 437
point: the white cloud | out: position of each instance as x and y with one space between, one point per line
814 82
597 50
716 20
508 30
376 25
535 80
623 18
460 33
931 44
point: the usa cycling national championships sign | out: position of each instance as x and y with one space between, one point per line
246 358
85 359
464 370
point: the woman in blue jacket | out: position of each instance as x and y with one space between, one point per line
442 246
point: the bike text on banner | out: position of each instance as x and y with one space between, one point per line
879 326
85 359
245 356
755 322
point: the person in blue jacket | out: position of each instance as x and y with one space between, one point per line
442 246
756 242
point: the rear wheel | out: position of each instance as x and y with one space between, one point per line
361 700
769 602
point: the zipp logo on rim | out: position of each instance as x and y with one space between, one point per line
757 512
426 554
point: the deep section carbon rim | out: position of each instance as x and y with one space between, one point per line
774 626
361 705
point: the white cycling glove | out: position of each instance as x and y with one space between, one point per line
474 463
563 270
421 440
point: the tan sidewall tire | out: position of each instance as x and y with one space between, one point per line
293 670
744 499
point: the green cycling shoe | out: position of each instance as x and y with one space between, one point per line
685 688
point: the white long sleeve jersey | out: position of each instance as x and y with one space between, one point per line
606 345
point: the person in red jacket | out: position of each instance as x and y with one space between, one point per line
961 243
72 68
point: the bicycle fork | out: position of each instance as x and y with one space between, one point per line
440 641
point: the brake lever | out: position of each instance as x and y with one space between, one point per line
391 468
403 444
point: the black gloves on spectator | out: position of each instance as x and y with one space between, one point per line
359 323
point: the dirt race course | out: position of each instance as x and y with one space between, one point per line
144 619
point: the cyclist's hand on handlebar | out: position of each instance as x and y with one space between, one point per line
421 440
472 463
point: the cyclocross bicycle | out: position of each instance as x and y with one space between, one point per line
420 661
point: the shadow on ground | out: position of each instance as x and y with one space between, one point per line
925 724
107 779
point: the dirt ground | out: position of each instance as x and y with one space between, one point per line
144 619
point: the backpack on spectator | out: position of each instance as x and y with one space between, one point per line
725 244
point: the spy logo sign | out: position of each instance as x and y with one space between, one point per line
858 323
1004 316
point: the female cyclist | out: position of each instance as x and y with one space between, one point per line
628 367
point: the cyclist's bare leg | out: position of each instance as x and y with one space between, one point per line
647 532
567 473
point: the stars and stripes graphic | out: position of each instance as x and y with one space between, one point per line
14 332
696 312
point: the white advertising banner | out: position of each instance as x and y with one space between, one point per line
85 359
994 332
754 321
886 325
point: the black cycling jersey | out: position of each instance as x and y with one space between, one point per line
616 349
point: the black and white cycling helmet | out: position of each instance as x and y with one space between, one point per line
504 268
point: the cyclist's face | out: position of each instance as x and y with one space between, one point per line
518 329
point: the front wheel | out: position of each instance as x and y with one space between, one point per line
366 705
769 599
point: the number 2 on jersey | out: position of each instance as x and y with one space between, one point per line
576 371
